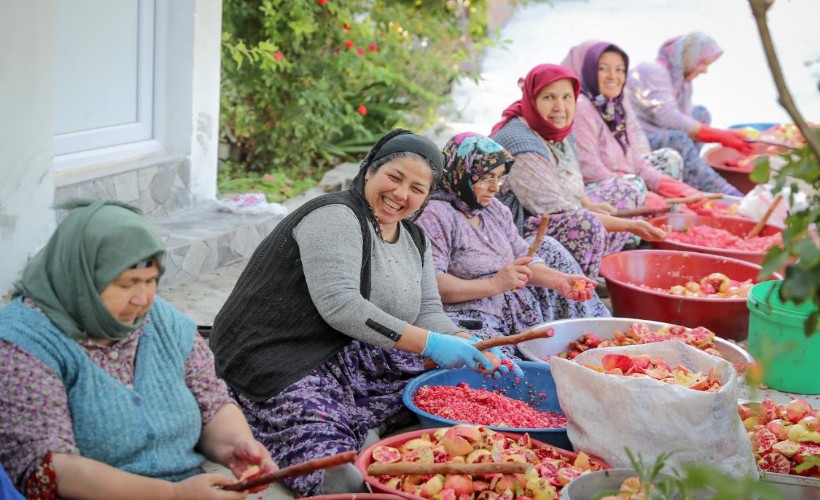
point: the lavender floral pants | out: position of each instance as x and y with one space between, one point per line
332 408
532 305
582 233
696 172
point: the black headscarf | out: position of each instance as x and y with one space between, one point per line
399 141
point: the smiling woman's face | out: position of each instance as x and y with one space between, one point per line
556 103
611 74
397 189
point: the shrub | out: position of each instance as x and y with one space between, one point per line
307 82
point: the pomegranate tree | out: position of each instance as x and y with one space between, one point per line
552 469
785 438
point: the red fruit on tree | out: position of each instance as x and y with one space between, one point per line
278 56
362 109
373 47
321 2
349 44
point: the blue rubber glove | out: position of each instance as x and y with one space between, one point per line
503 369
449 351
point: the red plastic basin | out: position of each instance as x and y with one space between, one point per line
734 225
365 459
719 157
625 271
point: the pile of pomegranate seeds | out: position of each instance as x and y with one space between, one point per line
482 407
706 236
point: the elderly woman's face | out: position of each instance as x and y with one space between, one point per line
131 294
489 184
611 74
556 103
398 189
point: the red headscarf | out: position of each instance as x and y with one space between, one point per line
538 78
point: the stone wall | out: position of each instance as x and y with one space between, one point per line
159 189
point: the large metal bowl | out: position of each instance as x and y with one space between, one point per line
568 330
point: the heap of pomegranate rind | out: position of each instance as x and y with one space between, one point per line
785 438
644 366
632 489
552 469
713 286
640 333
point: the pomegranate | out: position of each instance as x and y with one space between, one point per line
461 485
494 360
778 428
796 410
764 440
386 455
774 462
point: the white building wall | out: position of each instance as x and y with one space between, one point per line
26 107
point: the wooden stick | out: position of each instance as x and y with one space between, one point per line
633 212
541 332
447 468
539 236
759 226
692 199
293 470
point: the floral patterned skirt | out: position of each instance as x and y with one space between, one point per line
332 408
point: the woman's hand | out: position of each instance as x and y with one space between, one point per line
514 275
575 287
451 351
205 486
599 208
646 231
249 452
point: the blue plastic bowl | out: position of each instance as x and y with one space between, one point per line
757 126
537 379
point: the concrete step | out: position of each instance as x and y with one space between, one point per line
202 239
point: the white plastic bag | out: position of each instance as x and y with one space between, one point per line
250 203
757 201
608 413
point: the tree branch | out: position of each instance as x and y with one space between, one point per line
759 10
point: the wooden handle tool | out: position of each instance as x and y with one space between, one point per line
447 468
540 332
539 236
762 223
634 212
293 470
692 199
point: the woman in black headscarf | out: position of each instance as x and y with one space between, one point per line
324 327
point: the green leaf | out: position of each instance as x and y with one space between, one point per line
810 326
762 170
798 284
773 261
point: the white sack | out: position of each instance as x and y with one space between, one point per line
607 413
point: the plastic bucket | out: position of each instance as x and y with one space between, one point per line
790 359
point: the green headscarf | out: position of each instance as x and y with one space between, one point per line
89 250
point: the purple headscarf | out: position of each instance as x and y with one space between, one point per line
583 59
682 54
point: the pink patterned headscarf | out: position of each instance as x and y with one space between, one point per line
682 54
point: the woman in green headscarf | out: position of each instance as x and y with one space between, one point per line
83 413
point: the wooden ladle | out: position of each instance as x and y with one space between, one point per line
292 471
539 332
762 223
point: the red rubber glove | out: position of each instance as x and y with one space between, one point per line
671 188
729 138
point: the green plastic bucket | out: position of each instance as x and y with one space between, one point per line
790 359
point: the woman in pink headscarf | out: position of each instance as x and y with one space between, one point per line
546 180
661 94
609 139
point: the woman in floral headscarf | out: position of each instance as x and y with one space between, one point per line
609 139
546 180
480 260
661 94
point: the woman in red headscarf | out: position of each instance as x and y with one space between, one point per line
546 179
